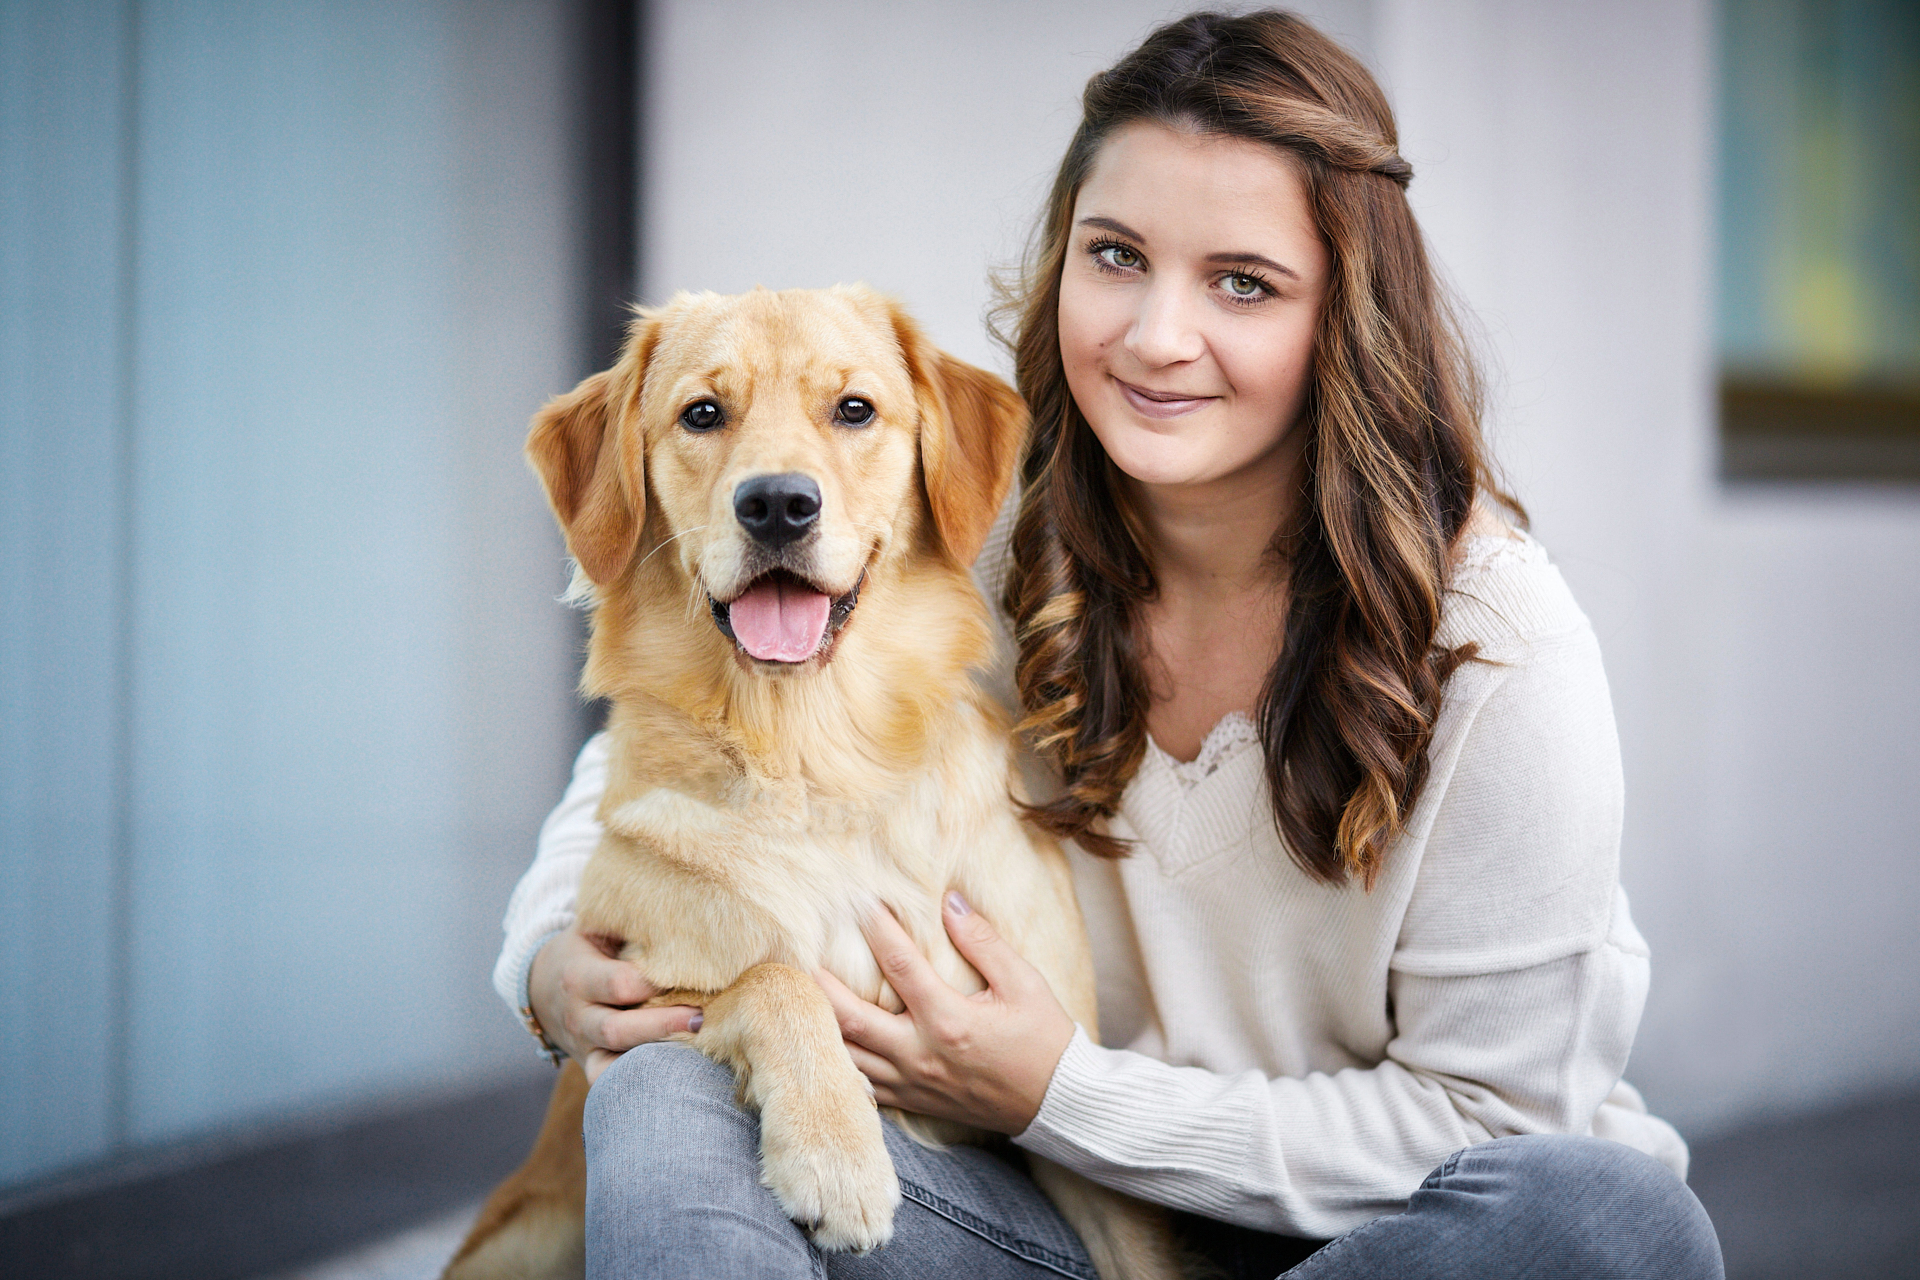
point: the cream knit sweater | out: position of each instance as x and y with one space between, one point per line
1297 1057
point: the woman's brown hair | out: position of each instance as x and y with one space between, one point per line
1392 464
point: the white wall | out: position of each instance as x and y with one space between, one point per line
286 688
906 143
1756 639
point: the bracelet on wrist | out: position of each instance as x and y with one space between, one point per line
548 1049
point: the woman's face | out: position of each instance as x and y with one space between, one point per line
1188 304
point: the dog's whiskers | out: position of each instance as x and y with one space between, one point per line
664 542
582 593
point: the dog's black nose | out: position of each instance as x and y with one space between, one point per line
777 509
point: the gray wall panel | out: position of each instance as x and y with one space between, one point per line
62 116
292 791
329 579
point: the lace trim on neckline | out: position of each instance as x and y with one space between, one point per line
1224 741
1236 731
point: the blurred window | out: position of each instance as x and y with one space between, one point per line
1819 219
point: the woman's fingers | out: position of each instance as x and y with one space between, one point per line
597 1060
863 1025
622 1029
598 980
904 968
986 1060
879 1072
860 1024
981 945
587 1002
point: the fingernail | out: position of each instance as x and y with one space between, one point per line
693 1023
957 904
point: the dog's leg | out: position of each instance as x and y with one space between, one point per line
821 1150
533 1225
1126 1239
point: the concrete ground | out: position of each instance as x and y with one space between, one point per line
418 1253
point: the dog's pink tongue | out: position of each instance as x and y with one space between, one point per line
779 620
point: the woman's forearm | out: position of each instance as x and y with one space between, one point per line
543 902
1529 1051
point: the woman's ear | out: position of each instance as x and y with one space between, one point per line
972 428
592 473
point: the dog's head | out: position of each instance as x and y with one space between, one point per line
778 447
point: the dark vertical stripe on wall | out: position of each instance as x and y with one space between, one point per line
119 998
607 141
609 61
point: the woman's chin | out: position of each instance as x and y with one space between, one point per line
1158 457
1162 463
1185 456
1168 477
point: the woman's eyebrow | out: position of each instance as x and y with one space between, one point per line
1251 260
1114 225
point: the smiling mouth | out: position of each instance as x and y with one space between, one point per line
782 618
1160 404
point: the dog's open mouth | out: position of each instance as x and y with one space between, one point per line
784 618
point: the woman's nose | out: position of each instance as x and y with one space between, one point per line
1164 331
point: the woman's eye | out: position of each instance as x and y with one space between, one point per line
1118 255
702 415
855 412
1244 286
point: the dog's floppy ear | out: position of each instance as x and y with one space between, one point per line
972 427
575 447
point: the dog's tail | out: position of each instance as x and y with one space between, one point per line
533 1226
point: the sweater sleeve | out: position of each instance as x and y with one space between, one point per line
542 903
1514 986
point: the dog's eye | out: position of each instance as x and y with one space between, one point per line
855 412
701 415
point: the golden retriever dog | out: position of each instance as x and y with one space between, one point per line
777 498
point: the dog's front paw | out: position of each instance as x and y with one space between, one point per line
839 1184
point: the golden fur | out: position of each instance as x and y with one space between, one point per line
756 811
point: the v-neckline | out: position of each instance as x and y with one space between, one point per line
1232 732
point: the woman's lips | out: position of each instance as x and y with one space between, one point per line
1160 404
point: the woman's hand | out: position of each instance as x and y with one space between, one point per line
585 1001
984 1059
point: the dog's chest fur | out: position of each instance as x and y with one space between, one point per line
784 869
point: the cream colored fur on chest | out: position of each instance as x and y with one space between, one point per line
780 868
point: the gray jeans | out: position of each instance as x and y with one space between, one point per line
673 1189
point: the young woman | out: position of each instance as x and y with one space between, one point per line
1331 740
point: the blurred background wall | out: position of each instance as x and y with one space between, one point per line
285 692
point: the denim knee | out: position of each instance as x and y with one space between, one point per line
660 1103
1609 1209
661 1075
673 1174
